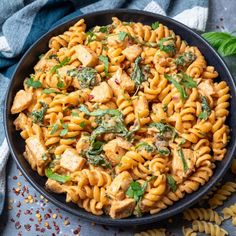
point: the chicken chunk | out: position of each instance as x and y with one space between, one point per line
183 166
21 101
119 186
86 55
122 209
113 41
71 161
141 105
54 186
101 93
207 87
83 143
121 80
132 52
20 121
115 149
36 154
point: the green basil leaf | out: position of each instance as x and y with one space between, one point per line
181 90
181 155
188 81
65 61
216 39
137 74
122 35
172 183
105 61
33 83
48 91
155 25
54 129
59 178
228 47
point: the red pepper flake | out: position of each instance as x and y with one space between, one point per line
57 229
49 210
16 191
14 177
18 213
117 82
19 234
28 212
42 230
31 219
53 234
46 216
18 204
17 225
77 230
27 227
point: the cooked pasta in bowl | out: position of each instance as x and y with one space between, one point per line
123 119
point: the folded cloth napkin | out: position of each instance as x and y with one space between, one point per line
24 21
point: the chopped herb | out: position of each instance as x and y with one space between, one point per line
75 114
136 191
82 124
103 29
163 151
185 59
59 178
65 61
180 88
60 84
39 115
65 130
48 91
90 36
188 81
155 25
146 146
206 110
33 83
54 129
167 45
122 35
171 182
137 75
86 76
181 155
162 128
105 61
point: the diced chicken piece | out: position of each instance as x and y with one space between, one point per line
119 186
113 41
83 144
71 161
141 105
54 186
36 154
122 209
21 101
101 93
121 79
20 121
207 87
178 164
132 52
45 63
86 55
115 149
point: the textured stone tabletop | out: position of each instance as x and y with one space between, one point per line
28 213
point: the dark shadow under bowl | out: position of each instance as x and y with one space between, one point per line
25 67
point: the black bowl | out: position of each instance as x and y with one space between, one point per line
25 67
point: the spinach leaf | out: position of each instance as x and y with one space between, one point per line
178 86
136 191
54 129
185 59
59 178
85 75
206 110
155 25
167 45
33 83
105 61
171 182
60 84
39 115
65 130
163 151
103 29
162 128
90 36
146 146
181 155
137 75
122 35
48 91
65 61
188 81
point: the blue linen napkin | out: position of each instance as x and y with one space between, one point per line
22 22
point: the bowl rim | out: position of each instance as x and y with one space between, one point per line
146 219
